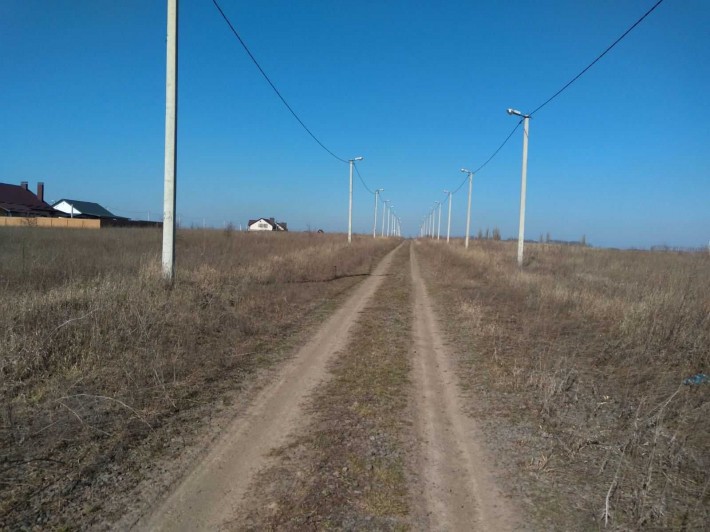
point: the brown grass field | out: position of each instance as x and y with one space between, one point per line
574 369
576 366
104 369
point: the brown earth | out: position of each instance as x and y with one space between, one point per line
210 494
460 492
353 433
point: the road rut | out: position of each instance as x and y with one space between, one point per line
208 498
457 487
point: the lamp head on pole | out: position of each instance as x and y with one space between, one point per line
515 112
466 171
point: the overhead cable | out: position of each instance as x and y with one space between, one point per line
491 157
241 41
590 65
363 181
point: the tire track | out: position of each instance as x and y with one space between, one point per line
457 488
209 496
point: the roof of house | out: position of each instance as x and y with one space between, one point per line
277 226
251 222
15 199
89 208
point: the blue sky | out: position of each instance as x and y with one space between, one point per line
417 88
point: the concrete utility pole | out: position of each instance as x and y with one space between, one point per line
438 229
523 184
374 223
171 80
384 215
448 227
468 211
350 203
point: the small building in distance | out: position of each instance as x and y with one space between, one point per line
85 209
266 224
20 201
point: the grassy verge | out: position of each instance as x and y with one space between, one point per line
575 367
104 372
346 470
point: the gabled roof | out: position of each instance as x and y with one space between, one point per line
276 226
88 208
16 200
252 222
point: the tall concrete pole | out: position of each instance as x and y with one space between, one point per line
350 201
384 215
448 227
374 223
438 230
468 211
171 80
523 185
350 205
389 214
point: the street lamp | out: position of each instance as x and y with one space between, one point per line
350 207
523 183
468 211
374 223
448 227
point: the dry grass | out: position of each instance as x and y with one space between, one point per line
581 355
104 370
346 469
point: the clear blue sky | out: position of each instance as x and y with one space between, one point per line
417 88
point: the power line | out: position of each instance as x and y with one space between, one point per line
590 65
491 157
363 181
236 34
499 148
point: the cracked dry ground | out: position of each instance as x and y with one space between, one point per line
364 429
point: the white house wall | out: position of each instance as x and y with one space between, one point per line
261 225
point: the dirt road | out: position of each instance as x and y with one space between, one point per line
208 497
458 490
451 485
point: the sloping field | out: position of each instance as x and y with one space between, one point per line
575 367
106 375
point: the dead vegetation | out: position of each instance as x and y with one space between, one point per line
104 371
346 470
576 364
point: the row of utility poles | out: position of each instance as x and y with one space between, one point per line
431 229
394 227
171 84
